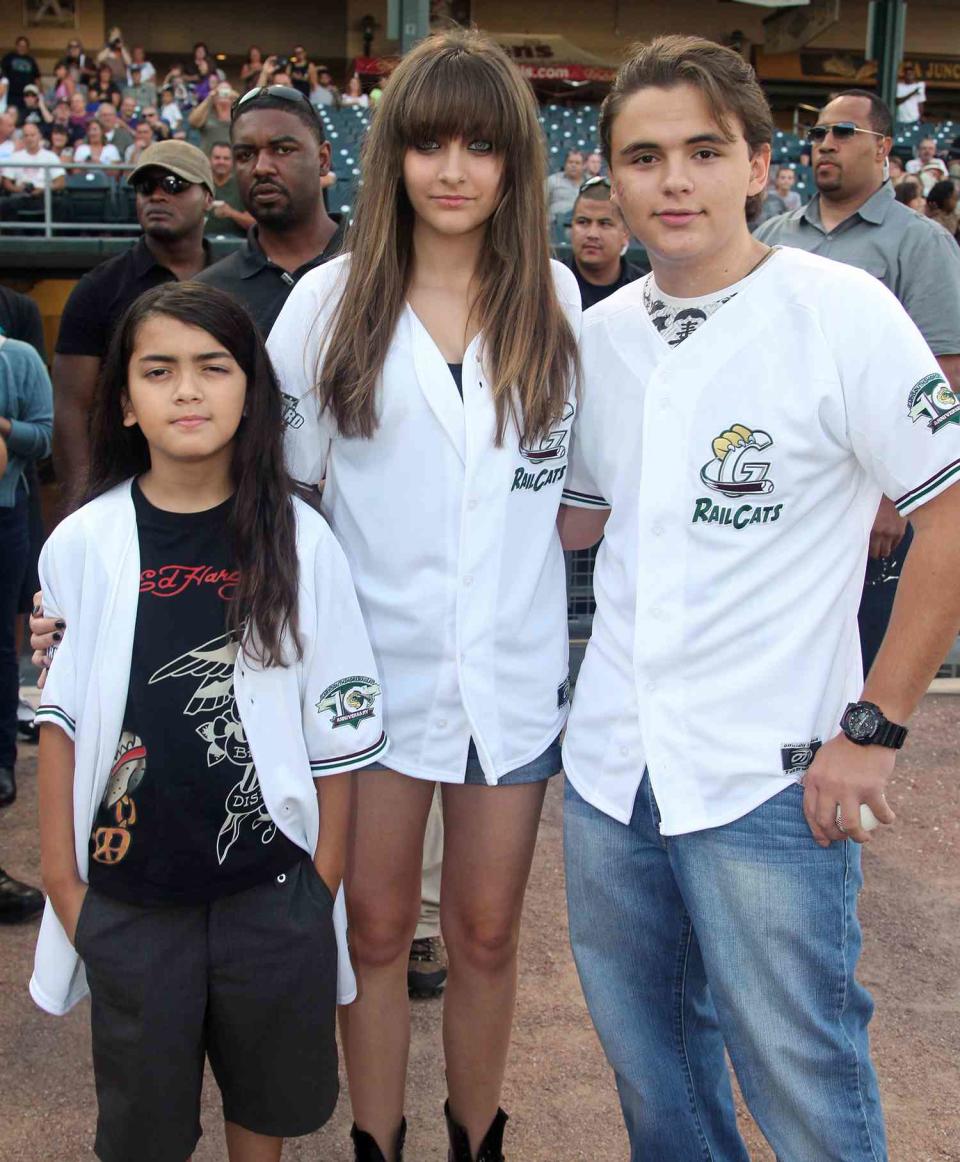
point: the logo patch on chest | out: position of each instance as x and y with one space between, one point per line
551 452
738 470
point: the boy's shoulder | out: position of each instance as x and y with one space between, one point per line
616 310
94 520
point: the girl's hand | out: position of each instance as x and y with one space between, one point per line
45 633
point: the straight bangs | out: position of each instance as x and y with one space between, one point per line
455 85
459 95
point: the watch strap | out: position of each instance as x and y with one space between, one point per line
889 734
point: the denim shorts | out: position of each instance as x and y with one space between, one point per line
544 766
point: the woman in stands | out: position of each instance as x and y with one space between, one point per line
95 150
443 347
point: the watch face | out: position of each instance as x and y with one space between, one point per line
862 722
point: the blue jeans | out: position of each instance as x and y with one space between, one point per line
742 937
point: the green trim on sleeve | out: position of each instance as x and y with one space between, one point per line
924 491
582 499
349 762
56 716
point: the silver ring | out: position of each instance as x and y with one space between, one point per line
839 821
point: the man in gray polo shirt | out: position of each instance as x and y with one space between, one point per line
854 218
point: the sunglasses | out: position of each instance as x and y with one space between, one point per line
145 184
596 180
279 92
841 130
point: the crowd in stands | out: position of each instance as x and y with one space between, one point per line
97 112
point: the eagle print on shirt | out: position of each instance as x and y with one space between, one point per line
211 666
210 698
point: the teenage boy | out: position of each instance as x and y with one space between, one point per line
722 745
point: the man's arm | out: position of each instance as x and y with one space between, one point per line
923 625
222 209
58 183
74 384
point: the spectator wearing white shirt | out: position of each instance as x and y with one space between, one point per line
354 94
138 59
926 166
31 175
911 97
95 149
170 111
8 135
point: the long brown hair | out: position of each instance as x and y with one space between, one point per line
454 84
728 84
262 527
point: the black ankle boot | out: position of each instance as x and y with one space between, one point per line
365 1149
491 1148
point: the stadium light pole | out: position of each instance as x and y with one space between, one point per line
886 27
408 21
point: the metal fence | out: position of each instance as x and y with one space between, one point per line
91 201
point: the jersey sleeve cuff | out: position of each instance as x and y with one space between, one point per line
933 486
56 716
582 499
338 764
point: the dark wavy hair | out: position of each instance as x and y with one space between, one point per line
262 526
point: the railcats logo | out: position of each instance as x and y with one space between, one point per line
292 416
553 446
349 701
736 471
551 450
933 399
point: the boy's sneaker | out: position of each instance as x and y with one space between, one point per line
18 902
427 967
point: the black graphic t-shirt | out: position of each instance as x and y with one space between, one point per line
182 820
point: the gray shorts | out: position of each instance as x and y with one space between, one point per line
544 766
248 980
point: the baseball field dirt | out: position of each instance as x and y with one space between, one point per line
559 1092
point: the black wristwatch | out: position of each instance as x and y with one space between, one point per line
864 724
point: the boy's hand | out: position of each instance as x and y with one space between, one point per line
844 775
67 902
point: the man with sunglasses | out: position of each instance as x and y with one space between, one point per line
599 240
280 157
855 218
174 188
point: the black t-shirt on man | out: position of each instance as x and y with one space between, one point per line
182 820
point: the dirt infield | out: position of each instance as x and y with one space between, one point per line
559 1092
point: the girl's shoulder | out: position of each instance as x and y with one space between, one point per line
318 549
311 301
565 284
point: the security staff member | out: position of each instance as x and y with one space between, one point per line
174 186
854 218
280 155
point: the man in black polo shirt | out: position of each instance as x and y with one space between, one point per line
279 156
174 187
599 238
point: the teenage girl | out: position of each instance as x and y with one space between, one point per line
212 691
433 371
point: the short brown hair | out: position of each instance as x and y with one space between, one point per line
726 81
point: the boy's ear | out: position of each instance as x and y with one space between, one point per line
759 170
129 415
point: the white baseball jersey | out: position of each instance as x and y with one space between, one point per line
743 469
319 715
451 540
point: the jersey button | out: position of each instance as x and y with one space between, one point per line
657 530
467 581
471 505
656 613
